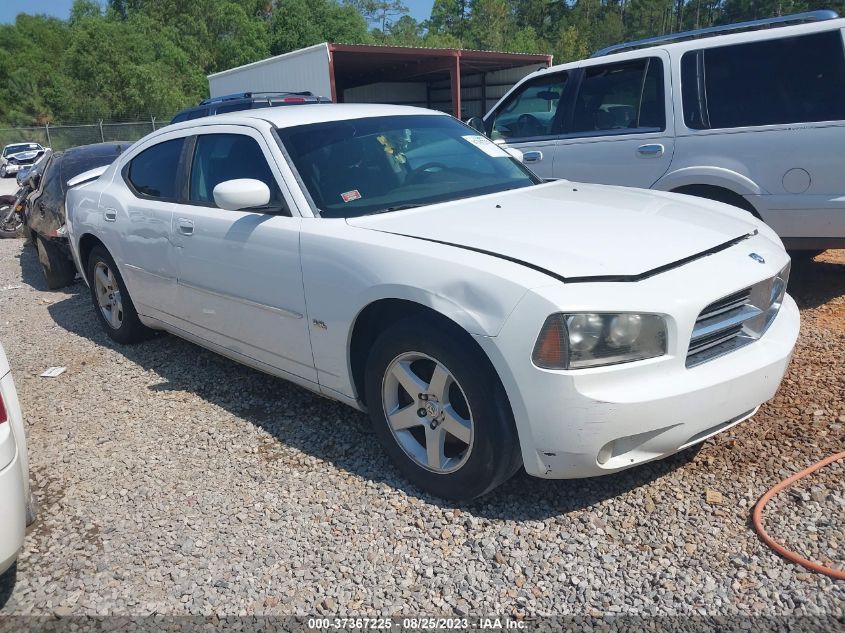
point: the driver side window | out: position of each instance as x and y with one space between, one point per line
531 110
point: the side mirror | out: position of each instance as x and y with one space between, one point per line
241 193
516 153
34 180
477 124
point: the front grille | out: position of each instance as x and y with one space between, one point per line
736 320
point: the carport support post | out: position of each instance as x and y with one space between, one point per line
455 72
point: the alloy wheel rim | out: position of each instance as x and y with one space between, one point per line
427 412
108 295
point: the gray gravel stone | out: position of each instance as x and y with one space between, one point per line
171 480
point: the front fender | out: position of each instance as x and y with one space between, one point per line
715 176
346 269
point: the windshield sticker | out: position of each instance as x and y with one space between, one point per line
486 145
349 196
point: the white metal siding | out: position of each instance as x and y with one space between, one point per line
304 69
405 93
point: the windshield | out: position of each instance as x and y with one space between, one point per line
23 147
379 164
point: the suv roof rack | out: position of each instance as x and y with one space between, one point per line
248 95
795 18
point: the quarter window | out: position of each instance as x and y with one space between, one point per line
531 111
787 80
154 171
221 157
627 96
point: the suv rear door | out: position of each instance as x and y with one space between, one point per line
619 128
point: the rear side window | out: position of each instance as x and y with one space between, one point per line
531 110
619 98
153 172
788 80
221 157
232 107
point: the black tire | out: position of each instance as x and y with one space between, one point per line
130 329
804 256
7 232
58 270
494 454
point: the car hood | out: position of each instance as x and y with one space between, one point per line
24 155
575 230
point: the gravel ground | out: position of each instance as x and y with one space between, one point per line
174 481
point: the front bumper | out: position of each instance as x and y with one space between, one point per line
583 423
11 168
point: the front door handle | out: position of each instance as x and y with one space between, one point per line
532 157
186 226
651 151
110 215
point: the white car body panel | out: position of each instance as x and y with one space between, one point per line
791 174
282 294
14 471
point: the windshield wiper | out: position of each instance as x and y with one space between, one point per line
399 207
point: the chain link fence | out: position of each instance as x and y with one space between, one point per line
59 137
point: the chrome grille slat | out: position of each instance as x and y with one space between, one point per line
727 320
708 342
715 311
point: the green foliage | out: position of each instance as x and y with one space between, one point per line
135 59
299 23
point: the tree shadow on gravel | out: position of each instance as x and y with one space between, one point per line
814 282
331 431
31 273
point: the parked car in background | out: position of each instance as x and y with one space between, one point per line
392 258
754 119
17 156
16 505
246 101
45 211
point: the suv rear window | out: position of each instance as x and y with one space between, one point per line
787 80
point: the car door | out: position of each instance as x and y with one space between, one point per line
620 129
239 275
528 120
136 220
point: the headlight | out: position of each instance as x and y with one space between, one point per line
575 341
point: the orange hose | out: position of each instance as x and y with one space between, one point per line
757 518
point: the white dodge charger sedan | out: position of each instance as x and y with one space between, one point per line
393 259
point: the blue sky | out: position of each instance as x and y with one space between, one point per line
420 9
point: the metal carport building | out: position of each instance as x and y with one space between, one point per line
460 81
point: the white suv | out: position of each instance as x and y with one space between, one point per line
755 119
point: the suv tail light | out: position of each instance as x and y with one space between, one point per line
3 416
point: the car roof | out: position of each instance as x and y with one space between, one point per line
294 115
704 42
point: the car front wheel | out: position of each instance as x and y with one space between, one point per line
439 409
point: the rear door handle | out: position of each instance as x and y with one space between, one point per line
651 151
110 215
532 157
186 226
